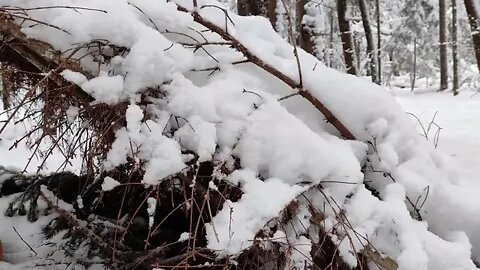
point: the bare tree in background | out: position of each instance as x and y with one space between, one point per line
379 41
251 7
346 36
474 20
443 46
455 47
372 56
304 35
272 13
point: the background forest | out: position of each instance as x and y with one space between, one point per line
427 39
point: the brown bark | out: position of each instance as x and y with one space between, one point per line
370 43
474 20
272 13
304 39
346 36
443 46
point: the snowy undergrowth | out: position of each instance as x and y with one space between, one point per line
284 146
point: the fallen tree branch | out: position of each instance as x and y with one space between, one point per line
305 93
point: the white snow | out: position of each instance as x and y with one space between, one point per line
109 183
284 146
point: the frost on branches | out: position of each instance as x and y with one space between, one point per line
214 112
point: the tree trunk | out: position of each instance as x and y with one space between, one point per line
304 38
379 42
443 46
455 48
331 39
346 36
413 75
474 20
242 7
272 13
372 56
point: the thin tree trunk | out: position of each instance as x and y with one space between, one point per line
372 56
332 30
346 36
443 46
414 73
357 45
474 20
455 48
379 42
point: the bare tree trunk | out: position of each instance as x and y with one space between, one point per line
346 36
413 75
251 7
372 56
304 38
379 42
331 39
242 7
455 48
474 19
443 46
272 13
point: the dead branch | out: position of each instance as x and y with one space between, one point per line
305 93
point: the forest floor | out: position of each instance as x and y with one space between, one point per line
459 120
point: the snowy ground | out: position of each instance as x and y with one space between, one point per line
459 119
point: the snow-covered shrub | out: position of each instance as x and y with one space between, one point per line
205 140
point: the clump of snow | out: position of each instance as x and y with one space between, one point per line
184 237
74 77
151 207
72 113
233 228
109 183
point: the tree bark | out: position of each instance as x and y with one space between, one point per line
346 36
272 13
443 46
304 38
413 75
474 20
372 56
455 48
251 7
379 42
242 7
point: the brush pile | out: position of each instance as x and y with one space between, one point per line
207 141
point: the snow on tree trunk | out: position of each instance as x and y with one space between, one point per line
346 37
474 20
371 50
304 31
